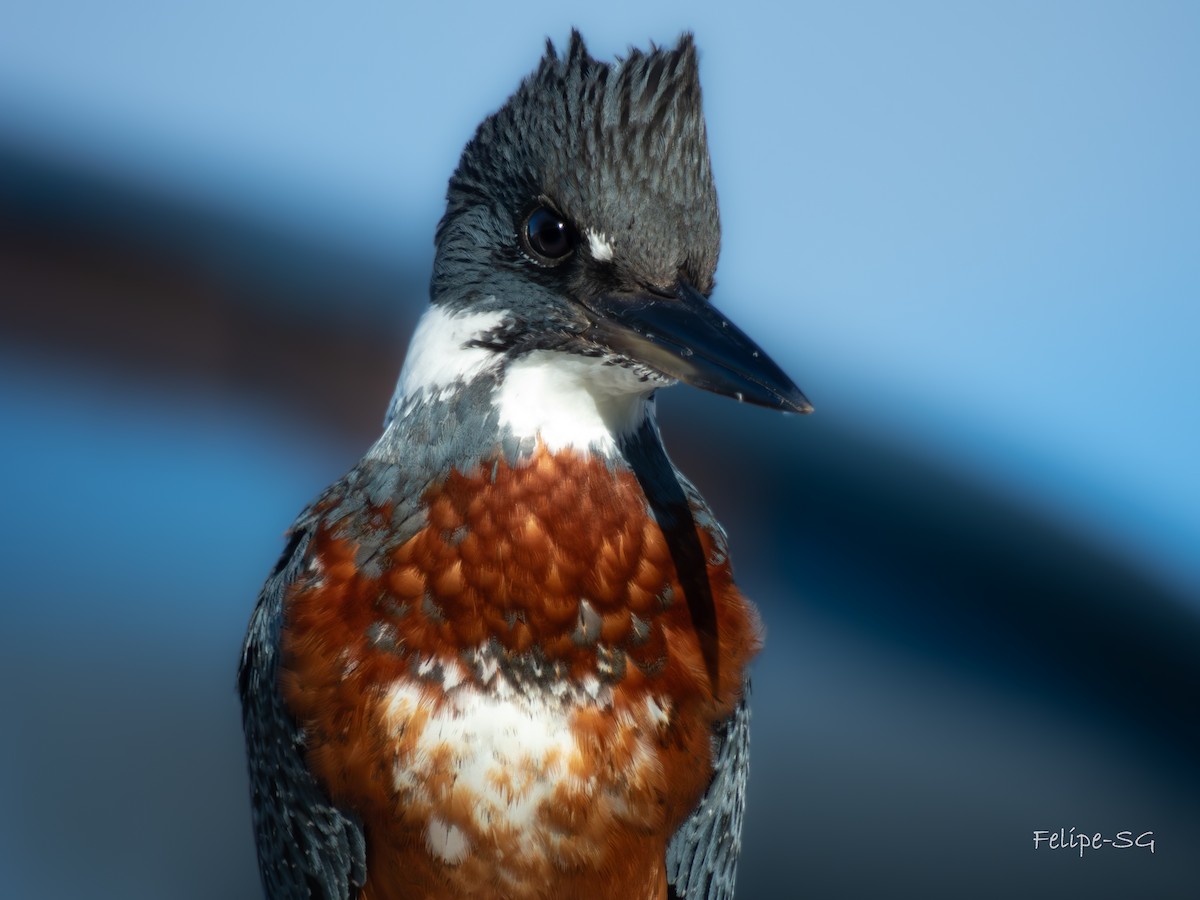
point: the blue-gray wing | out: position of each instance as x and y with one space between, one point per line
703 855
307 848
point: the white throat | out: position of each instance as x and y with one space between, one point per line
559 398
572 401
440 358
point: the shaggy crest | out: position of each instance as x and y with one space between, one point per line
619 149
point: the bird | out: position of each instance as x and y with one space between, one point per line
504 655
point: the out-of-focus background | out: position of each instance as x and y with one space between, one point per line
973 236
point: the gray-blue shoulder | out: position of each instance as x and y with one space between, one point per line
703 855
307 848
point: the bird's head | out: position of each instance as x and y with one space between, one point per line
581 238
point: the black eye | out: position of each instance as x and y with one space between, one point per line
548 236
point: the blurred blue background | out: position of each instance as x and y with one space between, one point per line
972 235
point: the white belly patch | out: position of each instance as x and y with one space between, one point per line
514 777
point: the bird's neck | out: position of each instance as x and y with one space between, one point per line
471 398
571 403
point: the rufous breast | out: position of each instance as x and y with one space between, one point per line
514 700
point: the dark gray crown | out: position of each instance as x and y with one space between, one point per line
619 149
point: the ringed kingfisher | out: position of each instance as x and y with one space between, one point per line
504 656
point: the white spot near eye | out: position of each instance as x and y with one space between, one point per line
600 246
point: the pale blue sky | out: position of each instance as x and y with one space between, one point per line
976 228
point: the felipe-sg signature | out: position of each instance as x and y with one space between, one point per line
1071 840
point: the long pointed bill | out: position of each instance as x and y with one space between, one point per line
686 337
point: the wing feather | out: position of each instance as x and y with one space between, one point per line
307 848
703 855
